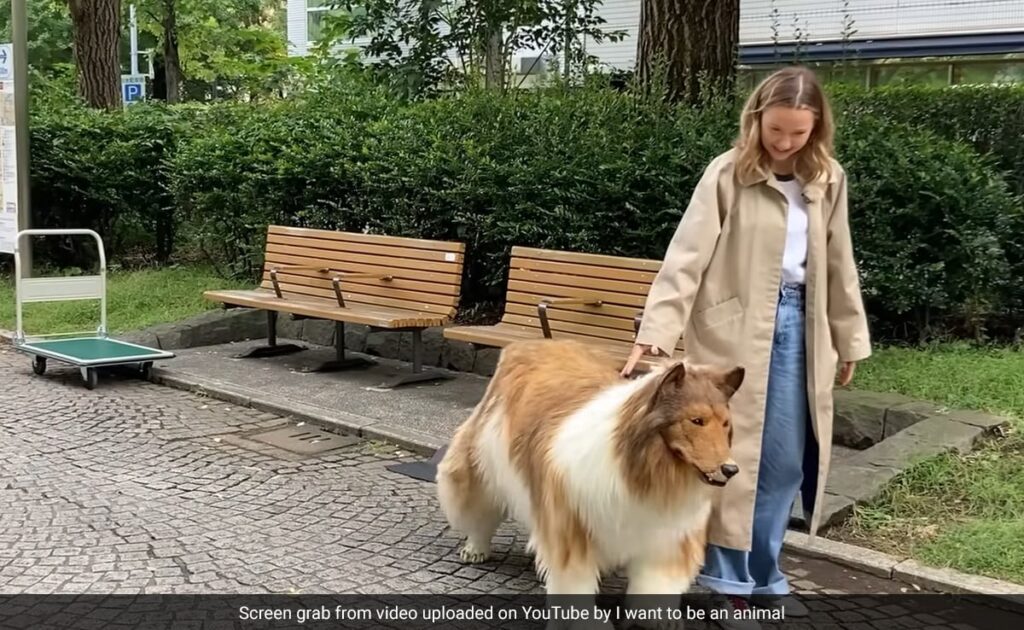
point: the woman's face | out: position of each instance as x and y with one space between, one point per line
785 130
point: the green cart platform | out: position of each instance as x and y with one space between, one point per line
88 351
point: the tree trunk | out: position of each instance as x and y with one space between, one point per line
172 63
691 46
96 26
494 61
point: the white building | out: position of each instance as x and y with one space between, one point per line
981 36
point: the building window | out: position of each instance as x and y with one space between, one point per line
315 12
1008 71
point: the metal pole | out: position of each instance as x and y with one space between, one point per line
134 33
19 33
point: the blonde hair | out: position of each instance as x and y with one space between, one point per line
795 87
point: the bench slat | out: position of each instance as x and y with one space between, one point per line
529 301
396 289
313 278
596 260
450 279
302 292
373 239
557 326
549 290
400 265
558 313
582 269
597 285
339 249
320 309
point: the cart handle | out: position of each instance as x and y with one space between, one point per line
20 333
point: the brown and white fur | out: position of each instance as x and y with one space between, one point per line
604 472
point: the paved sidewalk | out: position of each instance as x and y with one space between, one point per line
134 487
138 488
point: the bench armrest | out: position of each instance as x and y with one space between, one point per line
278 267
542 309
337 278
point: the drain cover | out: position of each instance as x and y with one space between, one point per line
304 440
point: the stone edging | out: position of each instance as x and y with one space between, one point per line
902 569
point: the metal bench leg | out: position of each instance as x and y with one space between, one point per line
340 362
272 349
418 374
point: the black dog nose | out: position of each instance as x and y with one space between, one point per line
729 470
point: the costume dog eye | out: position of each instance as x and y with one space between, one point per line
697 421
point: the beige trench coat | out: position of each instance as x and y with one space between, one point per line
719 286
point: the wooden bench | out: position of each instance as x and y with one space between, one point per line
559 294
387 283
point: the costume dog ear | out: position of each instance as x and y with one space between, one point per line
668 384
673 378
730 381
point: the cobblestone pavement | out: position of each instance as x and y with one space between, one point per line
137 488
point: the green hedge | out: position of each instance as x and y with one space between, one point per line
937 229
938 234
990 118
106 172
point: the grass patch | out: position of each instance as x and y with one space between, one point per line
135 300
962 512
957 375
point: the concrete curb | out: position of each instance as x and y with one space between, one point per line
900 569
368 428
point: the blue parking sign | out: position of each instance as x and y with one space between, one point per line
133 88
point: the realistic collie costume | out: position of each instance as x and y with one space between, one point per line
605 472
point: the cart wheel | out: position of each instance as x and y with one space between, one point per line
39 365
147 370
91 378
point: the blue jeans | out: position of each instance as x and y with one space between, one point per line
788 448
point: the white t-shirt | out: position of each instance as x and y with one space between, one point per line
795 259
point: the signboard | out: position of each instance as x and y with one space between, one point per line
8 153
133 88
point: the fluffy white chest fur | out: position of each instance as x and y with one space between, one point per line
623 526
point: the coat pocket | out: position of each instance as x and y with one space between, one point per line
719 313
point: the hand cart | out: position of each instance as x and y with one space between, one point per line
87 351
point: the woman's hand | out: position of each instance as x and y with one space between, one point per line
846 372
634 357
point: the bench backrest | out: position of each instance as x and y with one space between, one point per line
426 275
621 284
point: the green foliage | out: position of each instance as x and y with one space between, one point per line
423 48
594 171
990 118
228 48
936 230
49 32
286 162
106 172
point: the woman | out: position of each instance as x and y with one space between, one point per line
760 272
